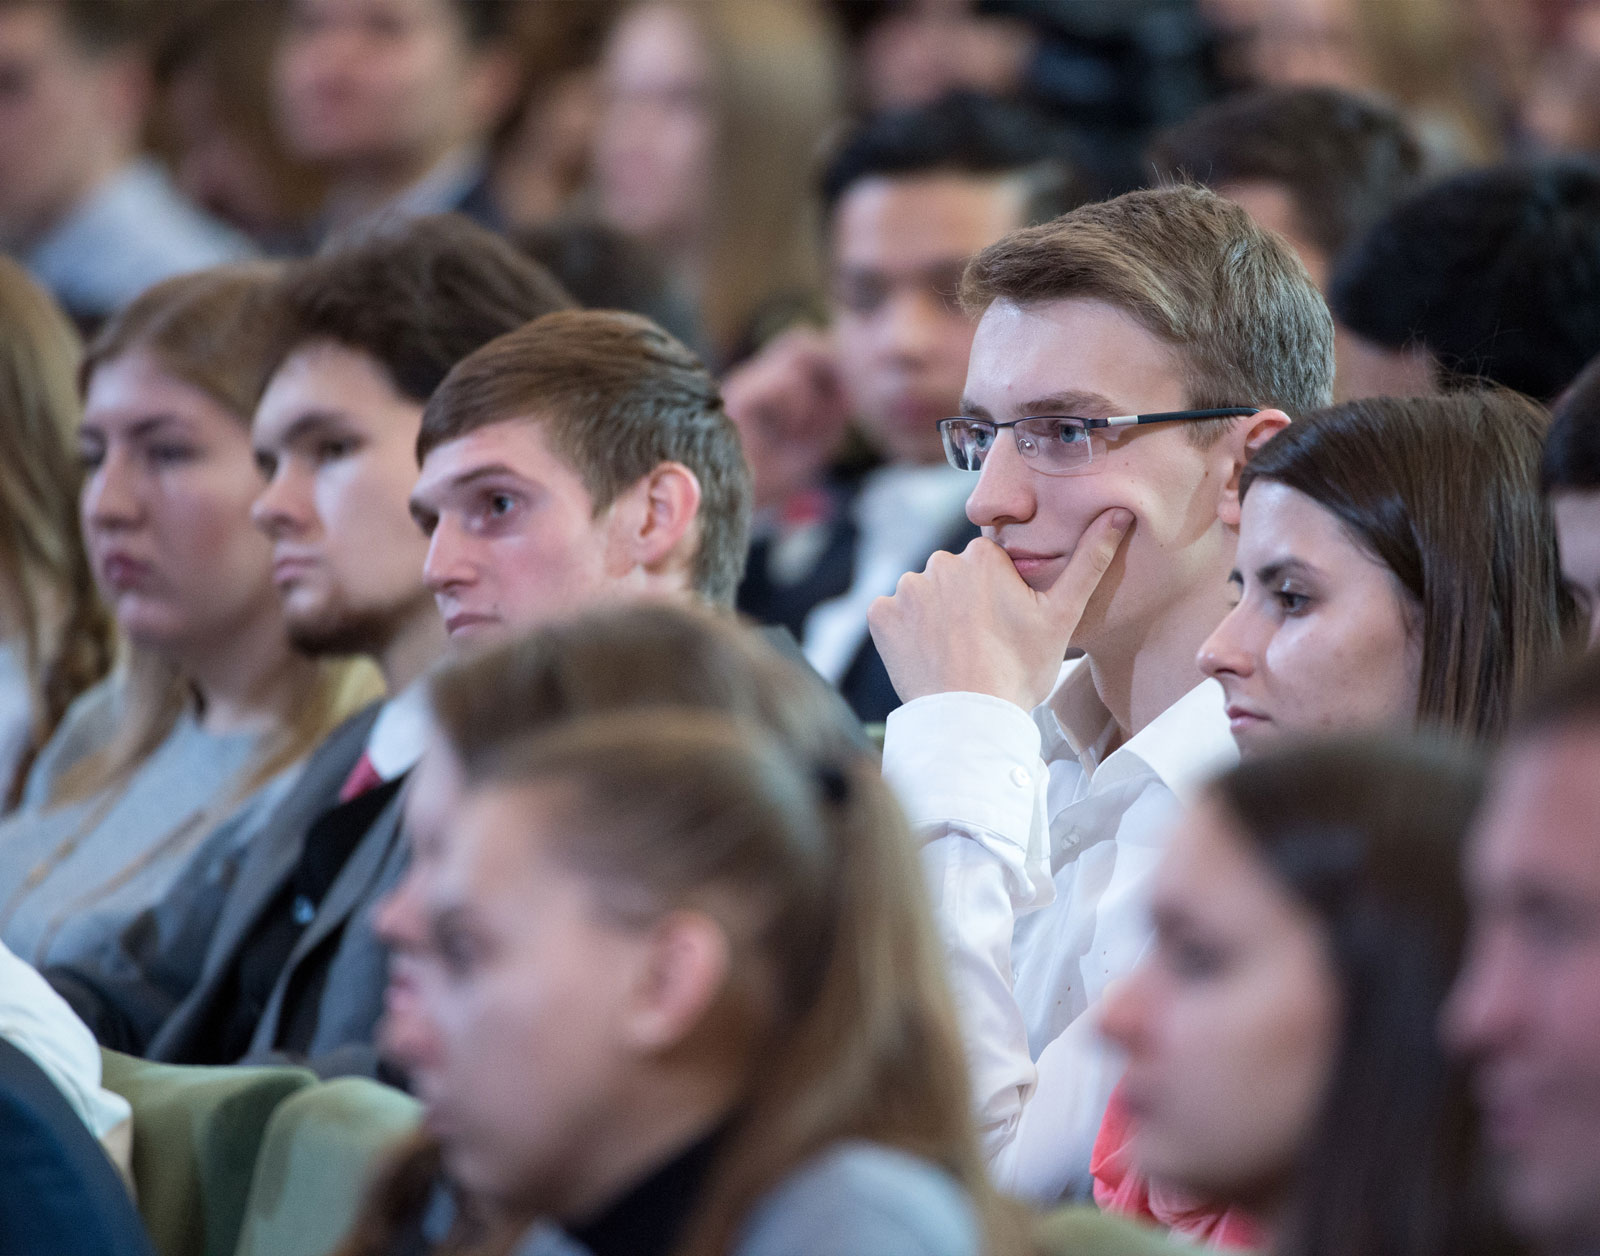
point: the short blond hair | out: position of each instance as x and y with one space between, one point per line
1195 271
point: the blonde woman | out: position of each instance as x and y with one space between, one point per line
212 708
712 117
55 634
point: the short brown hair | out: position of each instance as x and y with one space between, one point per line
1346 159
618 397
416 295
97 27
1195 271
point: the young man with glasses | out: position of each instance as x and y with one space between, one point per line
1129 357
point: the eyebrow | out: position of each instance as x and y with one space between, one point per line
137 430
1073 402
314 423
1274 571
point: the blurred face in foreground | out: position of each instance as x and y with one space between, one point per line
1526 1009
1230 1026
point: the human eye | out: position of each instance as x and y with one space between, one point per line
495 507
861 294
333 448
91 454
1064 431
266 463
1291 600
170 453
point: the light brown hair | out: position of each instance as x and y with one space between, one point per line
204 329
1192 269
1444 491
50 592
617 397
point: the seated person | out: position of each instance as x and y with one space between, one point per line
1282 1036
1525 1013
58 1192
580 460
249 954
1147 346
1318 165
36 1020
95 222
908 198
788 1078
213 709
57 639
1570 476
1491 274
393 101
1374 592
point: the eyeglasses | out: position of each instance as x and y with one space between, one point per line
1052 444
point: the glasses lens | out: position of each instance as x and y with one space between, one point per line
1054 446
966 442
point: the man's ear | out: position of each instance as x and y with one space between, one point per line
666 503
683 969
1249 436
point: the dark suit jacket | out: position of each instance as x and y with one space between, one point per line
865 684
59 1195
156 993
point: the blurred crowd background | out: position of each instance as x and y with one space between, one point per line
663 156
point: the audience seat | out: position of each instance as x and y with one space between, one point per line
322 1149
196 1136
1081 1230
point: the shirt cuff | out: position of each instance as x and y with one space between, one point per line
968 760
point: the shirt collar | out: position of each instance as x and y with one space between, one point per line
1184 745
400 733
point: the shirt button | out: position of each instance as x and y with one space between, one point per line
302 911
1020 778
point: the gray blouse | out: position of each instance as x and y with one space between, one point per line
72 876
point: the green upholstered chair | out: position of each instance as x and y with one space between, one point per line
1084 1231
196 1135
322 1149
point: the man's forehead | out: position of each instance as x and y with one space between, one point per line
953 215
1541 817
514 446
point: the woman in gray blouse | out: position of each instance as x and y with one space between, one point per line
211 704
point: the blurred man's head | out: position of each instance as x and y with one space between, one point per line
1154 302
378 85
909 198
1315 164
74 89
1570 476
371 328
1491 274
1526 1009
583 458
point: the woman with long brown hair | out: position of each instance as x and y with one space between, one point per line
57 634
212 707
712 117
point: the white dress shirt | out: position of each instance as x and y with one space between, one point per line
1039 848
903 514
400 733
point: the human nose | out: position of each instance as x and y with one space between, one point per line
911 320
1484 1005
111 496
1123 1016
1230 648
449 563
1005 492
398 919
284 505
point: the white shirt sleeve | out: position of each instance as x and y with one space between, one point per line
968 771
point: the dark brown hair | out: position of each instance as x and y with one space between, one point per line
1344 158
416 296
617 397
1234 301
1444 491
97 27
1367 835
